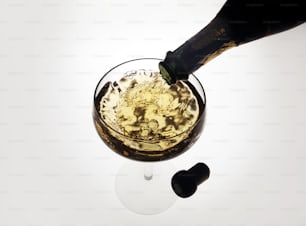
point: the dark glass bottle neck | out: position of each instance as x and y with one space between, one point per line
238 22
205 45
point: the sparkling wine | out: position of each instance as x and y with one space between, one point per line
141 117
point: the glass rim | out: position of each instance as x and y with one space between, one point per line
140 139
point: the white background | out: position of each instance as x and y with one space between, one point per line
54 169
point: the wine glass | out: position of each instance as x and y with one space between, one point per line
139 116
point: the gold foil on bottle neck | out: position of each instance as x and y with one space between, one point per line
225 46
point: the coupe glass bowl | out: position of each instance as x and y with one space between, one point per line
145 149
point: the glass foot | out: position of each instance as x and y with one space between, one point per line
145 188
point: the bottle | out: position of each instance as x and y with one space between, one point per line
238 22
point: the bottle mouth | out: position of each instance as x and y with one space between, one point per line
164 71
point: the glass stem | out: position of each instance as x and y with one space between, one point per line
148 171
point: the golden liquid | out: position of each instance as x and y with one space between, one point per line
143 116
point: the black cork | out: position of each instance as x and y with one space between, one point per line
185 182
